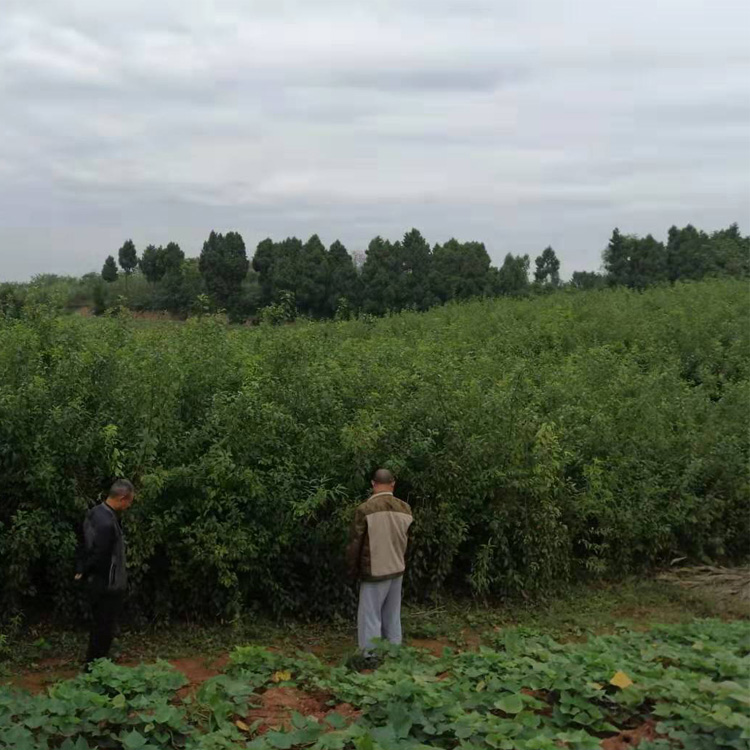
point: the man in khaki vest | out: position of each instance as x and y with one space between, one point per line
376 556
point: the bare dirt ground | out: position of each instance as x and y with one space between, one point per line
278 704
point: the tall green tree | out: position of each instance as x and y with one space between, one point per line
412 281
397 276
179 288
615 259
731 252
263 264
152 263
693 254
689 253
128 257
342 280
168 266
512 278
633 261
278 265
223 264
379 272
311 291
460 270
109 270
648 262
547 271
173 258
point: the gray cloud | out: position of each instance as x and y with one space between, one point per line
520 123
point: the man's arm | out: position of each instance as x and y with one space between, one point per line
99 540
80 552
356 540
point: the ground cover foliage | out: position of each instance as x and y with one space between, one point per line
588 434
679 686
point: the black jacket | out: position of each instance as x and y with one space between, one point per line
101 556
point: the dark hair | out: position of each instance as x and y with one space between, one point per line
121 488
383 476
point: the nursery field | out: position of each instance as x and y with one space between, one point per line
577 436
672 686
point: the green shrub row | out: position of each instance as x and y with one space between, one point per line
581 434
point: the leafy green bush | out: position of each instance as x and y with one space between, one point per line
579 434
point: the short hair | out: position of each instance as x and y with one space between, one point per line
121 488
383 476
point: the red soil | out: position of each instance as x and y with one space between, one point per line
631 737
279 703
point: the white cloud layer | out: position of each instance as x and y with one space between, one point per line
516 123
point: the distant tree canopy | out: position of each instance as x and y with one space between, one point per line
693 254
547 271
317 277
342 280
223 264
156 262
292 277
128 257
633 261
587 280
512 278
109 269
460 270
396 276
690 254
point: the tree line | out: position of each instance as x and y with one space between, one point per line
293 277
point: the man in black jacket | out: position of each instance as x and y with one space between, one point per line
101 564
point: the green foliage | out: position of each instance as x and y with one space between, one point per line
317 278
547 272
151 264
693 254
635 262
128 257
342 280
11 300
527 692
110 707
396 276
460 270
223 264
587 280
283 311
570 436
109 270
512 278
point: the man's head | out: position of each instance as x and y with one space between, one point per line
121 495
383 481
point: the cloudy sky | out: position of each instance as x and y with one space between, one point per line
520 123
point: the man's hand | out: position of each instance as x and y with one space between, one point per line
78 576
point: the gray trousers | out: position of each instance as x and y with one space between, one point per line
379 613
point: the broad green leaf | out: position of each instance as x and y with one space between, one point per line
133 740
336 720
510 704
119 701
280 740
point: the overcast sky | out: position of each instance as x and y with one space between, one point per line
519 123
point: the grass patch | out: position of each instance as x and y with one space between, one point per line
574 614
